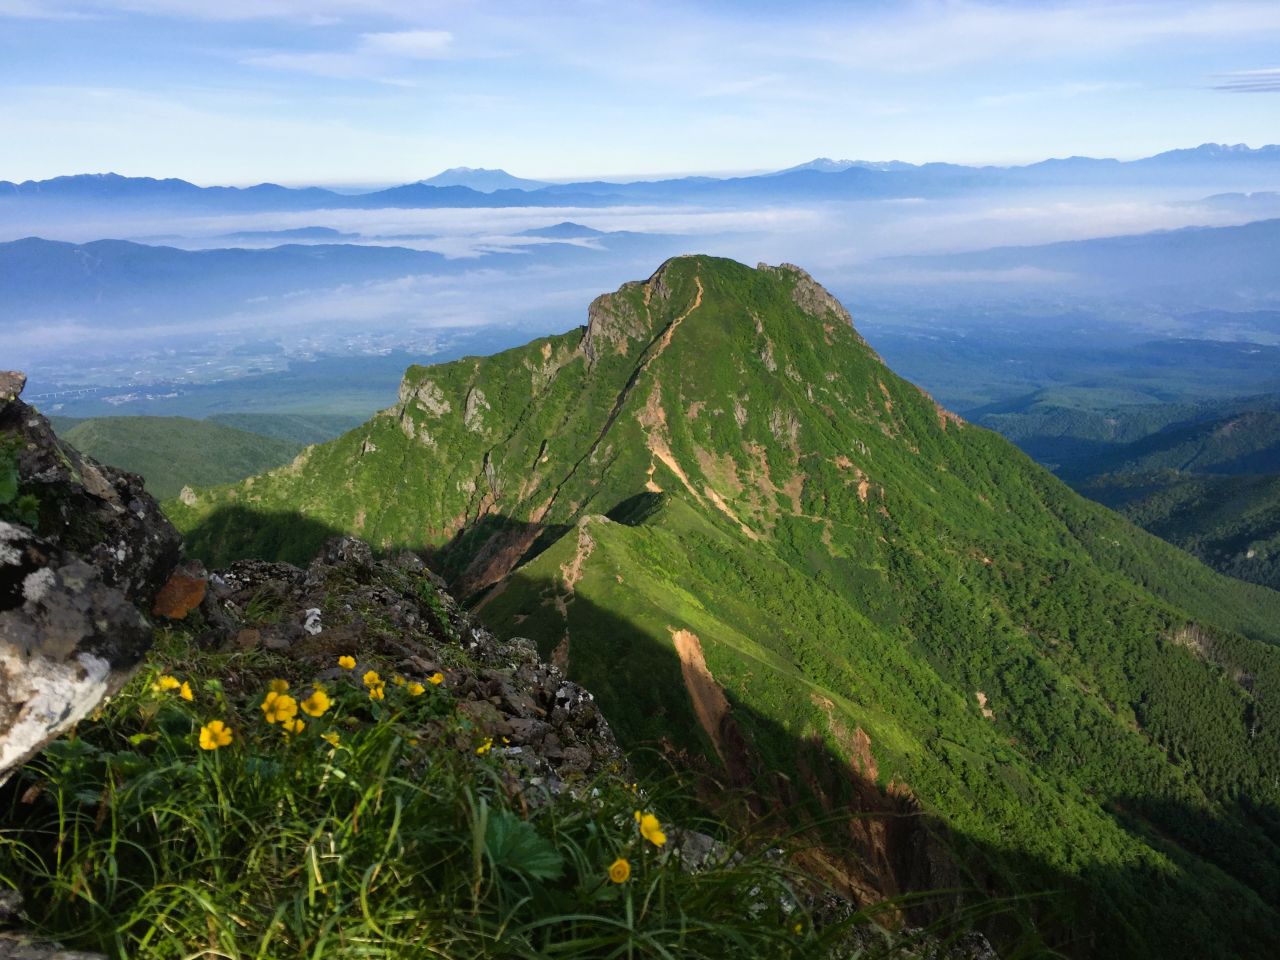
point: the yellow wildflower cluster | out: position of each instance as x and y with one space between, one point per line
316 704
214 734
377 686
651 828
166 683
619 871
279 707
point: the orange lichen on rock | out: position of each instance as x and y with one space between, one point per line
181 594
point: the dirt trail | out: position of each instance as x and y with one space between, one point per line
500 555
572 573
654 420
709 701
665 340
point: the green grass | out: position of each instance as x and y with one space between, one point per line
403 841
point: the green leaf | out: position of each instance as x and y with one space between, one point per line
514 844
8 477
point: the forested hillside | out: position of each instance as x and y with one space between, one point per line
173 452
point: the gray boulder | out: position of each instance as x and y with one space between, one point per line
84 551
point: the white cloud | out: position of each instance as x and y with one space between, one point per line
1250 81
408 44
302 11
1062 91
938 34
376 56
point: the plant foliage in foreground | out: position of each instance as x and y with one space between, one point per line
370 820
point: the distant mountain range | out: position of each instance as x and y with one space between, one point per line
1211 153
106 280
1194 260
1218 166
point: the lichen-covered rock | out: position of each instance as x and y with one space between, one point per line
83 552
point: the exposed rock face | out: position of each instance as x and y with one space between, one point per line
349 603
615 319
83 551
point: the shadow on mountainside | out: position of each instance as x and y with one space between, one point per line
239 533
873 839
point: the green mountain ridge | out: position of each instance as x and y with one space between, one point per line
1232 523
797 574
1204 476
174 452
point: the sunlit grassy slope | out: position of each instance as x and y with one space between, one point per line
899 608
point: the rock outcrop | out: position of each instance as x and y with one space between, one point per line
394 612
83 552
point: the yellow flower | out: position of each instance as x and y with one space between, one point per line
316 704
371 678
214 734
278 686
619 871
378 691
799 929
651 829
347 663
296 725
165 683
436 679
485 747
416 689
331 738
185 691
398 680
279 707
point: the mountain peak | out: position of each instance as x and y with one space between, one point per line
643 311
564 230
816 585
482 179
1221 151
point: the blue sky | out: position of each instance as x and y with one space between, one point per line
338 91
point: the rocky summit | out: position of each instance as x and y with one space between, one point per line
850 615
